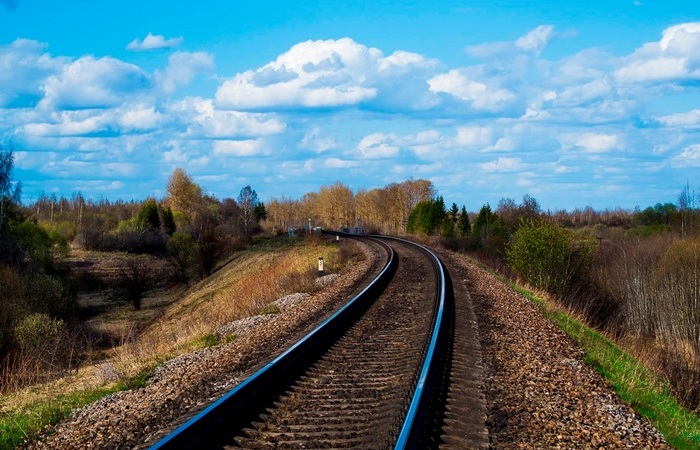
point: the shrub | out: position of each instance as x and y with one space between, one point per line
51 295
39 333
43 346
181 255
547 256
12 295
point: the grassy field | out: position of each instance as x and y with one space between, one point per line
171 322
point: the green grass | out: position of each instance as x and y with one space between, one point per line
649 394
24 424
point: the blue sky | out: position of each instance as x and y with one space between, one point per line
577 104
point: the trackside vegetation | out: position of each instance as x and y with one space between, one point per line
650 394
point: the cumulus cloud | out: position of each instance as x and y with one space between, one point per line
378 145
591 142
471 136
249 147
337 163
318 74
70 123
482 95
502 165
153 42
183 67
673 58
94 83
689 119
315 140
141 118
204 120
24 65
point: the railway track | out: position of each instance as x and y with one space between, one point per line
383 372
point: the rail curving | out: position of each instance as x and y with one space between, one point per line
238 406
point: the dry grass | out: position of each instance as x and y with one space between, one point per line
178 321
241 289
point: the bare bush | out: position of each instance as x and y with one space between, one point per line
676 284
656 280
136 278
623 270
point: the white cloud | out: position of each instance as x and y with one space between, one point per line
532 42
180 155
689 157
24 65
310 74
141 118
682 38
536 40
337 163
94 83
674 58
689 119
153 42
480 94
324 74
203 120
69 123
591 142
473 136
250 147
315 140
183 67
502 165
378 145
659 68
578 94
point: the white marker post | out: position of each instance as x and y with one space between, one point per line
320 266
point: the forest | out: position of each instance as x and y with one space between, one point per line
634 274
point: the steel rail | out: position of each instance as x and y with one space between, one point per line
412 430
231 409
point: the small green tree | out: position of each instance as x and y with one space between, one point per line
260 212
167 221
547 256
447 228
464 227
427 217
454 212
489 228
149 218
